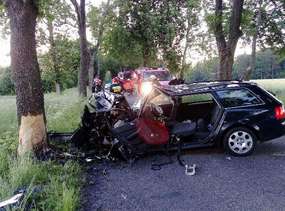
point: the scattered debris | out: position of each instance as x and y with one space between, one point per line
88 160
157 166
279 154
105 173
190 170
124 196
19 199
228 158
12 201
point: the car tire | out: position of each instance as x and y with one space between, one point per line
240 141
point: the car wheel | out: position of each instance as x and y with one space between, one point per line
240 141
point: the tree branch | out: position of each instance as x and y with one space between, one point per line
235 21
101 27
218 27
77 11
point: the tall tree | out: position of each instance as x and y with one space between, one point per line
193 11
97 20
84 51
158 26
56 16
257 23
271 33
227 47
26 75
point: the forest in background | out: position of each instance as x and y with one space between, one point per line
128 34
268 66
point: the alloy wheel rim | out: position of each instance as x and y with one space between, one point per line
240 142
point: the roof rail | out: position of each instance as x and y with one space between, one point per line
209 81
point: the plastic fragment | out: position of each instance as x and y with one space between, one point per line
14 199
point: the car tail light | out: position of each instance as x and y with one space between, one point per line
280 112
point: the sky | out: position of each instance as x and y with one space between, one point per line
5 45
4 52
5 42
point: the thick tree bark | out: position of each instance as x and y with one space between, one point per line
26 74
54 57
84 51
226 49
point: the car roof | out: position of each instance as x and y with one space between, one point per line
201 87
148 69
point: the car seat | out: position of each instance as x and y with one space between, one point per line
202 126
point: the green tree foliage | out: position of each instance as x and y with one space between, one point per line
271 30
109 64
203 71
158 26
68 64
267 65
56 16
119 43
6 84
143 32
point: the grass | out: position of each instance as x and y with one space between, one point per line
59 184
277 86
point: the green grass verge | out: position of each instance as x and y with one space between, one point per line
59 184
276 86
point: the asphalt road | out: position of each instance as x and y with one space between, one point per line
256 182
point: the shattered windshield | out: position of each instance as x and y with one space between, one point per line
160 75
159 99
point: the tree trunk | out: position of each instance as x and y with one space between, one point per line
187 44
95 52
227 49
54 57
249 71
26 75
146 55
84 51
91 69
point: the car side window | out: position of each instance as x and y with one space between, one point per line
237 97
197 98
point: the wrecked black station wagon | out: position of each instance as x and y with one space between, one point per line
232 114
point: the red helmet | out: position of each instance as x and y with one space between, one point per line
115 80
97 82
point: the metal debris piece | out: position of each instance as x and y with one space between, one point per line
228 158
88 160
190 170
105 173
124 196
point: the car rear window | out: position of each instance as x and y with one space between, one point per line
238 97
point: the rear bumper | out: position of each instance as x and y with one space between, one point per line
279 132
